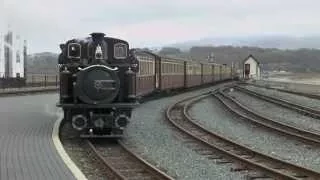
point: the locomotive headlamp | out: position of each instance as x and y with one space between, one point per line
121 121
79 122
74 50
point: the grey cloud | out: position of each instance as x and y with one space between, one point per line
143 22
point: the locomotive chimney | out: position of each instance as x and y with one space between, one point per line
97 37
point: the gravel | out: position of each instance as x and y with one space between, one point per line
277 112
82 155
211 113
313 103
148 132
292 86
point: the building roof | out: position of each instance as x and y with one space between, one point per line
250 56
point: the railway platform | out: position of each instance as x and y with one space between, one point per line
27 149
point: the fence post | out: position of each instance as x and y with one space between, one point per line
45 80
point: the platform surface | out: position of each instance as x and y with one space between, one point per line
27 150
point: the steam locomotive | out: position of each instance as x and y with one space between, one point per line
97 84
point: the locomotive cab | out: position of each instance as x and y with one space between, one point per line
97 85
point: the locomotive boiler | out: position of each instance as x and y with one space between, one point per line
97 84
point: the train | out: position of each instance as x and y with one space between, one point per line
160 73
102 81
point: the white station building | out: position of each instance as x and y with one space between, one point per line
13 49
251 68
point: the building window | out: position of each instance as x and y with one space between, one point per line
8 38
18 75
18 57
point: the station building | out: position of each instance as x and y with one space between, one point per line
13 53
251 68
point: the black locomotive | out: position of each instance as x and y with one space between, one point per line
97 84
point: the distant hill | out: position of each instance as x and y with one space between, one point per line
276 41
300 60
274 52
42 63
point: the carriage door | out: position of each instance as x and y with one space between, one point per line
157 72
247 70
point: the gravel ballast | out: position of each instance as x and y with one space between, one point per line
277 112
82 155
309 102
211 113
149 133
291 86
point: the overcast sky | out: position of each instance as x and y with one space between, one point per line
47 23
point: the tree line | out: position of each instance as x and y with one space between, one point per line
300 60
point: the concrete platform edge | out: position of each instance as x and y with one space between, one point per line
63 154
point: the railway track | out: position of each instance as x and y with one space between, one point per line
223 150
248 114
123 163
314 96
307 111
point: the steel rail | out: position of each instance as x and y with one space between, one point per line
124 163
239 109
278 169
305 110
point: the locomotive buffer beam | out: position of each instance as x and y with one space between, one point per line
99 106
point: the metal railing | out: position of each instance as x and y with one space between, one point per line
32 82
42 80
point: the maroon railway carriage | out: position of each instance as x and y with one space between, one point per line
193 76
146 79
217 72
172 73
207 73
159 73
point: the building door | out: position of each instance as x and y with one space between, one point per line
246 71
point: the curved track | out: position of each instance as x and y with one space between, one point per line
248 114
214 146
123 163
305 110
314 96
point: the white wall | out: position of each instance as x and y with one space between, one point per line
17 47
1 55
254 68
17 67
2 31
